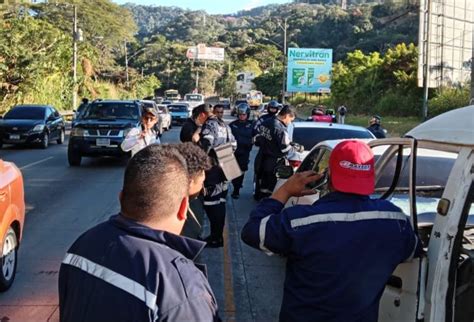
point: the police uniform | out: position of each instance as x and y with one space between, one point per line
215 133
243 133
377 130
275 144
123 271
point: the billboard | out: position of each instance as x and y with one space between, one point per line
445 41
309 70
201 52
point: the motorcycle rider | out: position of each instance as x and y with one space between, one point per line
215 132
242 130
376 128
273 107
275 145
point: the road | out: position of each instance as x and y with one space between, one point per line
63 202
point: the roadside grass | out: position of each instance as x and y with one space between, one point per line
396 126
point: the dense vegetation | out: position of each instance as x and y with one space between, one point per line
374 70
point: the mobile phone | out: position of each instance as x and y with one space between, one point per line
318 184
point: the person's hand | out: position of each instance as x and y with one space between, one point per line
295 186
142 134
196 137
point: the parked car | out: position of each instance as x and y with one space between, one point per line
166 102
179 112
429 174
233 111
32 124
12 216
165 117
102 128
308 134
225 102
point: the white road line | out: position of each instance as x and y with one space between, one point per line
35 163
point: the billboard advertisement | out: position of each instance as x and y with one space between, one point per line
445 42
201 52
309 70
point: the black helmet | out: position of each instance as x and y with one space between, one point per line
317 111
273 105
243 108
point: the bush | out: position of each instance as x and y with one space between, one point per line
448 99
398 104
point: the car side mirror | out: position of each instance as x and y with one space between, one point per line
284 171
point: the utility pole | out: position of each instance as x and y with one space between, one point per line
74 59
472 71
126 64
426 56
283 88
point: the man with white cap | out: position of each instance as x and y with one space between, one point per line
342 249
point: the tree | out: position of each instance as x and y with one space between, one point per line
270 83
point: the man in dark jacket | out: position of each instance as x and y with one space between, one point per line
342 249
242 130
376 128
215 133
135 266
191 129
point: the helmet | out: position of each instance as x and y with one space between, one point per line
273 105
375 119
243 108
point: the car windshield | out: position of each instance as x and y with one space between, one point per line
193 97
178 108
111 111
310 136
26 113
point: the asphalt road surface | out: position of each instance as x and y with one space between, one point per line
63 202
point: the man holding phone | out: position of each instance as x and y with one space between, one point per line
343 248
144 135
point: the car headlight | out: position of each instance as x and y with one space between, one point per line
77 131
38 128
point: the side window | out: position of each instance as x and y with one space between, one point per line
49 112
55 113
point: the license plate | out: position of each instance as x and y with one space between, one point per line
102 142
14 136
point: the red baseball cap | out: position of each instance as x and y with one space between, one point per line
351 167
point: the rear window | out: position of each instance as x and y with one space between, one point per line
112 111
26 113
309 137
178 108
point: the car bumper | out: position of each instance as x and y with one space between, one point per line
179 119
23 138
88 147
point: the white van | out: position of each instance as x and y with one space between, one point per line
430 174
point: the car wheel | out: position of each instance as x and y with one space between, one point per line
74 158
8 260
1 144
61 137
44 141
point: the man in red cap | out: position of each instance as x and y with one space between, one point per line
342 249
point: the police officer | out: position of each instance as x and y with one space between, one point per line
275 145
191 129
242 130
376 128
273 107
215 133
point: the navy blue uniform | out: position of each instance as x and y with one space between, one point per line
341 252
275 144
243 133
215 133
123 271
377 130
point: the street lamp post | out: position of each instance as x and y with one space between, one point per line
284 27
74 62
127 59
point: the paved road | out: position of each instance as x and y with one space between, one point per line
62 202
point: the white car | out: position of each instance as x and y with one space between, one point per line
165 117
430 175
194 100
308 134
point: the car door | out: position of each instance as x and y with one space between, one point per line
50 123
403 298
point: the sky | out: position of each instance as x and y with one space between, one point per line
210 6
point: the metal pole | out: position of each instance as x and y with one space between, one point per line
126 65
283 88
426 63
472 71
74 59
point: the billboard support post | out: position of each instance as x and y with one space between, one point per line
472 70
426 63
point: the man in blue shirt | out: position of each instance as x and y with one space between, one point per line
342 249
135 266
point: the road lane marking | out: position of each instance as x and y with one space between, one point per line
35 163
229 303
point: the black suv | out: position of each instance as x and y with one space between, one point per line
101 129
